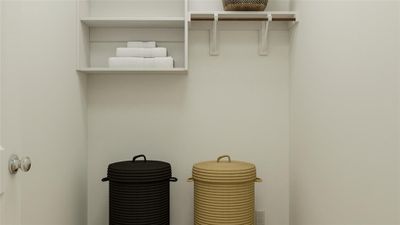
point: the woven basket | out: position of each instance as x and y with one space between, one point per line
245 5
224 192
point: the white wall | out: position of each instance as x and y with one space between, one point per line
44 114
344 128
236 103
398 106
216 5
137 8
344 71
1 122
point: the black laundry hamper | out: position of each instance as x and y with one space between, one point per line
139 192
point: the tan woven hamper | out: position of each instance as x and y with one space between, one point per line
224 192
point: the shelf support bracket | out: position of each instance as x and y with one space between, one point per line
293 23
214 36
263 36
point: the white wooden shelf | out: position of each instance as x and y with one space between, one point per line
102 28
97 41
265 17
105 70
136 22
243 15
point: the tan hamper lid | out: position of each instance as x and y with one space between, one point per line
224 170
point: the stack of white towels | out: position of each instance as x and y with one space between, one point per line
141 55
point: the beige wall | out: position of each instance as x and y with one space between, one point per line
236 103
344 86
216 5
345 140
398 109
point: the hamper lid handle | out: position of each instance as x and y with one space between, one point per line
224 156
138 156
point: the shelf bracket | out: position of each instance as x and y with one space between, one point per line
263 36
293 23
214 36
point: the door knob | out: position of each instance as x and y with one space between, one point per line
14 164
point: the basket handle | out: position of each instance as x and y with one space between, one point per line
258 180
173 179
138 156
190 179
224 156
105 179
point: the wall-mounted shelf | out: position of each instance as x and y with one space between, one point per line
100 70
104 27
243 16
101 30
135 22
264 17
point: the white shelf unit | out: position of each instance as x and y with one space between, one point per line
265 17
102 70
99 36
137 22
104 26
288 16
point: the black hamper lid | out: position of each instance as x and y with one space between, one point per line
139 171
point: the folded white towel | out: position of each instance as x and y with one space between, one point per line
141 52
141 63
142 44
